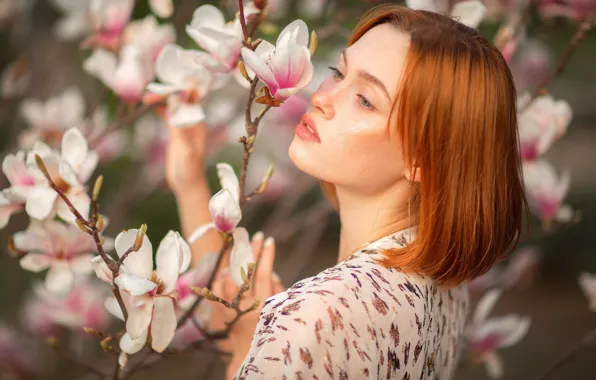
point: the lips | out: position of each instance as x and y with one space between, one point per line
307 130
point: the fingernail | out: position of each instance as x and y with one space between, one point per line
258 236
269 241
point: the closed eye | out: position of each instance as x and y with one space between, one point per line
336 73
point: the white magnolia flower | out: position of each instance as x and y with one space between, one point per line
22 180
70 170
50 119
63 249
184 82
286 67
485 336
148 294
127 75
162 8
587 283
8 206
469 12
221 40
226 214
109 19
546 190
197 277
149 35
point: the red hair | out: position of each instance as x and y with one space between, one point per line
456 117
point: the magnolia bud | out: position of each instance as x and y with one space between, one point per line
97 187
51 340
243 71
139 239
314 42
100 223
41 165
81 225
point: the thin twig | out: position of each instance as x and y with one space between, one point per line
243 21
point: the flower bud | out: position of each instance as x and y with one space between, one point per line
140 236
81 225
100 222
41 165
243 71
314 42
97 187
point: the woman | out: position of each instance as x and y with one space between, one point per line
414 137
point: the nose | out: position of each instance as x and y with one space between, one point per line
322 100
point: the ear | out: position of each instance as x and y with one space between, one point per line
413 174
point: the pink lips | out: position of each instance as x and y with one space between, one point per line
307 130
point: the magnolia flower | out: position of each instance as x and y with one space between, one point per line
469 12
50 119
126 75
225 211
149 35
162 8
286 67
546 191
9 204
148 294
109 19
15 78
63 249
485 337
197 277
221 40
573 9
518 270
82 307
69 170
587 283
532 63
184 82
76 22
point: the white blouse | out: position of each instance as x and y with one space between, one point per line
360 320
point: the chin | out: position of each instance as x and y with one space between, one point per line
302 158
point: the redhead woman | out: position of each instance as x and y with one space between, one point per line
414 137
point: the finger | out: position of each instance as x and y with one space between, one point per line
277 284
265 269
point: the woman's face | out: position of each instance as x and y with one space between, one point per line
350 114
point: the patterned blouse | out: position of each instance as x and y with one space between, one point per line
359 320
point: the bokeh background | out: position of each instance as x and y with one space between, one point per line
294 210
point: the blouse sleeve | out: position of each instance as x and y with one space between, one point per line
296 336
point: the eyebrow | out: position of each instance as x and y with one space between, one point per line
366 75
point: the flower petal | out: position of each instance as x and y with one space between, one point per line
164 323
225 210
186 115
59 278
260 68
493 365
485 305
111 305
35 262
135 285
295 32
81 202
426 5
162 8
228 179
241 255
199 232
101 269
40 202
82 263
132 346
167 260
470 12
139 318
141 262
101 64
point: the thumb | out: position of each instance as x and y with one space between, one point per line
265 270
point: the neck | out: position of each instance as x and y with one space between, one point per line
368 217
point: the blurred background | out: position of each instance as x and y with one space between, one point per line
42 57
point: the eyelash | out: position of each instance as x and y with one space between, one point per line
362 101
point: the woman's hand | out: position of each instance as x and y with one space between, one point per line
266 283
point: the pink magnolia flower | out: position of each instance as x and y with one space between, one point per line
197 277
221 40
286 67
587 283
546 191
162 8
63 249
82 307
148 294
470 12
226 214
9 204
69 169
50 119
485 336
149 35
531 64
184 82
109 19
127 75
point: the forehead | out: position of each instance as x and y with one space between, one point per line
381 52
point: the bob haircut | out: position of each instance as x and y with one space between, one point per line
457 120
